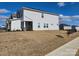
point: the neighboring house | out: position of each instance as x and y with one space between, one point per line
32 19
77 28
68 27
65 27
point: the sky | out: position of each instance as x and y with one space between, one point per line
60 8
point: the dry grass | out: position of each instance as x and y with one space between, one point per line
31 43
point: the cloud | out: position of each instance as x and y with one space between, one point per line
4 11
70 18
3 18
66 18
61 4
76 16
61 15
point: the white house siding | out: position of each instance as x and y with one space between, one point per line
15 25
35 17
77 28
67 27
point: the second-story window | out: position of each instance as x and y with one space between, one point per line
42 15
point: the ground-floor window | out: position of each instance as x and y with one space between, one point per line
38 25
45 25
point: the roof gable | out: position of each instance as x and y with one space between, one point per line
38 10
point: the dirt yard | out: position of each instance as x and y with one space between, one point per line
32 43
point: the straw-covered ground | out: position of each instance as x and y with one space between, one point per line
29 43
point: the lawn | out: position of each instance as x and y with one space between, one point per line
32 43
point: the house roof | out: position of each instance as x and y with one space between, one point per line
33 9
14 19
38 10
14 15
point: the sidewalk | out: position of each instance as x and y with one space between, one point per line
69 49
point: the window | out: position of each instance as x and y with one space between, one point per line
51 24
38 25
57 24
42 15
45 25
